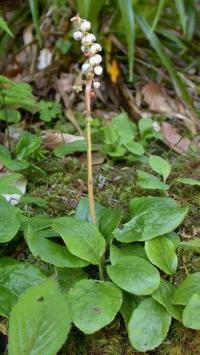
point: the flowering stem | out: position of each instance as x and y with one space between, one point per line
89 150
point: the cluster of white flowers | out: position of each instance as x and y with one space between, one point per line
91 67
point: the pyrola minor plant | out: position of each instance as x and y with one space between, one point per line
91 70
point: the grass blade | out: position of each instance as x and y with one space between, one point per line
179 85
89 9
34 6
128 18
4 26
180 5
158 15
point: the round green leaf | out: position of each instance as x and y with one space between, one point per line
9 223
94 304
135 275
148 181
161 252
51 252
191 313
141 204
187 288
40 321
149 325
160 166
83 239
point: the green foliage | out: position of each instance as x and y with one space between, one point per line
49 110
97 302
161 252
40 321
4 26
8 230
69 148
133 270
135 275
160 166
152 316
191 313
148 181
82 238
34 7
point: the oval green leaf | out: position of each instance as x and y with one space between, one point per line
116 254
187 289
8 230
149 325
83 239
94 304
161 252
40 321
51 252
135 275
191 313
151 223
160 166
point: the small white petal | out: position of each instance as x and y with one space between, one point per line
95 60
85 67
88 39
85 26
78 35
96 47
98 70
83 49
96 84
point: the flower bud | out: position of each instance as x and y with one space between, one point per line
98 70
96 84
96 47
88 39
78 35
95 60
85 68
85 26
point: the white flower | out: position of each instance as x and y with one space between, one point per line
95 60
78 35
96 84
85 68
88 39
96 47
98 70
83 49
85 26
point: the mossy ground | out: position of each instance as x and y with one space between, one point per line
62 185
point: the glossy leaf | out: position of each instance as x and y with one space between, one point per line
161 252
40 321
191 313
125 129
135 275
68 277
51 252
164 295
149 325
148 181
107 219
69 148
8 230
135 148
150 222
130 302
18 276
94 304
191 182
187 289
141 204
136 249
7 301
160 166
82 239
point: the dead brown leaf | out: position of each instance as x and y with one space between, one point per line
51 140
173 139
157 99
